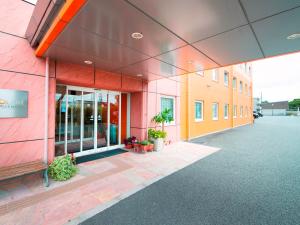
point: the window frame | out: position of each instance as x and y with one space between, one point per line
202 104
226 73
226 117
216 73
234 86
241 111
174 108
234 111
217 117
241 86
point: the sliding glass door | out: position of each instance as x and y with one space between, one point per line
88 120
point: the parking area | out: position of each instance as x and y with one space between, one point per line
254 179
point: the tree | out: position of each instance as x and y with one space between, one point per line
295 104
163 117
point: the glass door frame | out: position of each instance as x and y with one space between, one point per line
96 93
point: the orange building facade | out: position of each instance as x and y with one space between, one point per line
216 100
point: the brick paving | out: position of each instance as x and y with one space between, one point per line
100 183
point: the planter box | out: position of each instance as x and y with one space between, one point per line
129 146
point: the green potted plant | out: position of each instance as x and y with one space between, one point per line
158 136
63 168
144 145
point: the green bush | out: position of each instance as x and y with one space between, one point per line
145 142
155 134
62 168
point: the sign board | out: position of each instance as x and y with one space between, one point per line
13 103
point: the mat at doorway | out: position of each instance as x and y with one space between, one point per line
99 155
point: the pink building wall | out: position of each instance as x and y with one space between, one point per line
22 139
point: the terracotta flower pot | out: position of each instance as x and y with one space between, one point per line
136 147
128 146
144 148
150 147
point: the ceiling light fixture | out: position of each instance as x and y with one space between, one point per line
137 35
139 75
88 62
293 37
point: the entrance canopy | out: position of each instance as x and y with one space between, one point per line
155 38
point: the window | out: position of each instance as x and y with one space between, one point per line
241 86
234 111
168 103
198 111
201 73
241 111
215 75
226 77
215 111
234 83
226 111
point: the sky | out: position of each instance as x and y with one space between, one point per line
278 78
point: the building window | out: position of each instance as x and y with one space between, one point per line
214 75
234 111
234 83
241 111
226 77
215 111
198 111
241 86
226 111
201 73
168 103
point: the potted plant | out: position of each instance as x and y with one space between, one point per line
129 142
158 136
144 146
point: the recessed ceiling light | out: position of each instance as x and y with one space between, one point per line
88 62
137 35
293 37
139 75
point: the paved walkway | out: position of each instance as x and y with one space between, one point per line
100 184
253 180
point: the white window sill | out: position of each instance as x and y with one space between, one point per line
198 120
234 117
215 119
225 118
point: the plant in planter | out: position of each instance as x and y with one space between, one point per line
129 142
144 145
62 168
158 136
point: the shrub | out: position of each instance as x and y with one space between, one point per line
62 168
155 134
145 142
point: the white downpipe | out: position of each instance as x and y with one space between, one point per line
46 119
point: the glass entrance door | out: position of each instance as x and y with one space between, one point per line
92 120
102 119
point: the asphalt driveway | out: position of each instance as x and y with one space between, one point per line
254 179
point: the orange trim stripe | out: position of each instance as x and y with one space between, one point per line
65 15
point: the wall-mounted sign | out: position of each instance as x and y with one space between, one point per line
13 103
